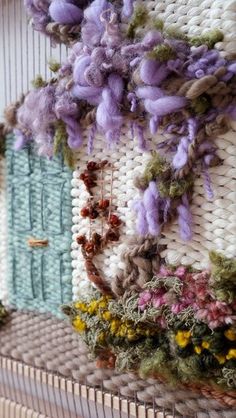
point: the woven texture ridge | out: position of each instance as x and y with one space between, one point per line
39 219
3 234
214 221
196 17
48 343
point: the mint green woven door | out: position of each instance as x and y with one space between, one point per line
39 221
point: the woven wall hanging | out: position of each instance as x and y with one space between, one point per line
137 124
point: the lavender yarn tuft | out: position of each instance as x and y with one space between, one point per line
185 219
65 13
151 201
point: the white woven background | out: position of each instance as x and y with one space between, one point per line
214 222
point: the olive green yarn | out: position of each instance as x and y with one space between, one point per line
54 66
209 38
201 104
175 188
38 82
158 24
2 141
156 167
3 313
128 359
162 53
60 145
140 17
223 276
229 378
175 33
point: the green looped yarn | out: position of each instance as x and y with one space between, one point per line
201 104
54 66
38 82
60 144
139 19
229 378
209 38
3 313
158 24
223 276
155 168
175 33
175 188
162 53
2 143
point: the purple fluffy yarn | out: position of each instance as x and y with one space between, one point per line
181 157
38 12
108 116
152 72
185 219
37 116
141 222
91 138
73 130
165 105
151 205
65 12
207 182
20 140
148 92
127 9
67 110
141 138
93 29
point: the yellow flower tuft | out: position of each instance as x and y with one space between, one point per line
81 306
103 302
221 358
231 354
92 307
131 334
106 316
79 324
115 325
182 338
101 338
122 331
205 344
230 334
198 349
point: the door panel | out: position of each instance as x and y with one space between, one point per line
39 208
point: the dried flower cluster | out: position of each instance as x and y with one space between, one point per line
182 317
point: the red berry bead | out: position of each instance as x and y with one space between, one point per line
81 239
114 220
84 212
103 204
89 247
112 235
93 214
82 176
92 166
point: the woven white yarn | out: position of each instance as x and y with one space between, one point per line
198 16
214 222
3 234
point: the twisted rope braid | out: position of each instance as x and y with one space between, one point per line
142 260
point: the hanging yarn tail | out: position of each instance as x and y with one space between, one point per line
185 219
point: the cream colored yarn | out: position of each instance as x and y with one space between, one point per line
198 16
